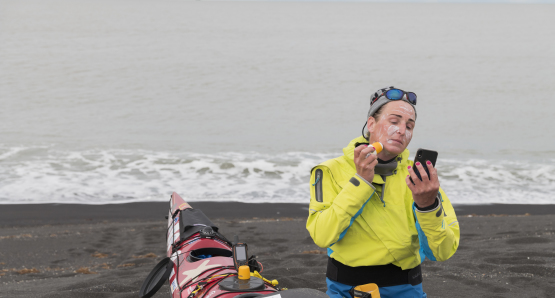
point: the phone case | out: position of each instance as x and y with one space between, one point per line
423 155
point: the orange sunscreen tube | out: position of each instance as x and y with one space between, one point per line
378 146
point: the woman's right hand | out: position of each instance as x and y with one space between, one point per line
365 165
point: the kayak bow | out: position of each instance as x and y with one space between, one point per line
200 263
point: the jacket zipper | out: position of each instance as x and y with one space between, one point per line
383 190
318 186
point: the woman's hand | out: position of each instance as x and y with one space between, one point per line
424 192
365 162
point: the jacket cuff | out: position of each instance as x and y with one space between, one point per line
430 220
430 208
366 181
353 196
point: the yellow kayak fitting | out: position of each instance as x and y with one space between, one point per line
366 291
273 282
243 272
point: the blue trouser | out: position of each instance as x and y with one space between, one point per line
339 290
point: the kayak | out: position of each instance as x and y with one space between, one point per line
202 263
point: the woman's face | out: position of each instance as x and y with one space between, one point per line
394 128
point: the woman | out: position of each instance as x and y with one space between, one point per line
377 225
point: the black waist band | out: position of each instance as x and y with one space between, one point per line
382 275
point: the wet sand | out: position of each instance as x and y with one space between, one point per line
107 251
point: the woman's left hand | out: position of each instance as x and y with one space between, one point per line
424 192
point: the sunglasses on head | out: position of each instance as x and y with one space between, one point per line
398 94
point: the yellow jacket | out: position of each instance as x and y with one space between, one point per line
360 227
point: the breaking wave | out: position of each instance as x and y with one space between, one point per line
48 175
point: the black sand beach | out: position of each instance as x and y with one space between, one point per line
106 251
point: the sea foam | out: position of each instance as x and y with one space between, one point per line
49 175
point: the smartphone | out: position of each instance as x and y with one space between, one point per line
423 155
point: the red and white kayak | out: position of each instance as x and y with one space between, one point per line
200 264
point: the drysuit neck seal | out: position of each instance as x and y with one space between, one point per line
386 168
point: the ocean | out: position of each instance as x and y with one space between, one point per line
126 101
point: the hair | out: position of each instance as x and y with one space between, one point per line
377 115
